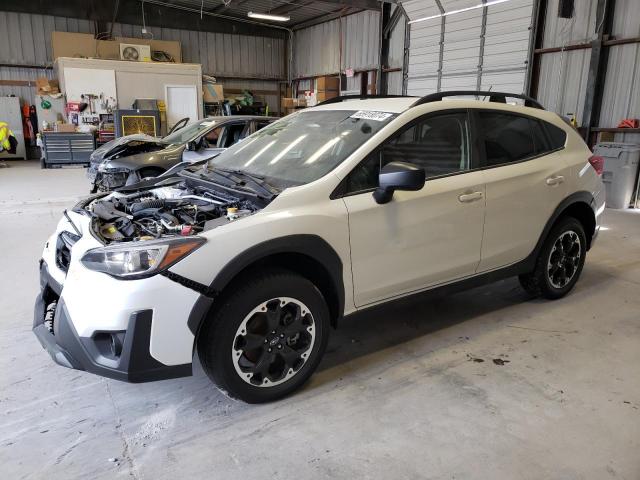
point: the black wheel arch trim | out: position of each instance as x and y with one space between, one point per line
309 245
575 198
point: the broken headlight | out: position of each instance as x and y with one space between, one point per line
105 167
140 260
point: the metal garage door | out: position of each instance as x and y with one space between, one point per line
462 45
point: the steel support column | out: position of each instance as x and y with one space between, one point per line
597 66
383 59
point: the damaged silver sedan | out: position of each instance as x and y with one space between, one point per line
129 159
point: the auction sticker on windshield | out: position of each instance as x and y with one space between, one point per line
368 115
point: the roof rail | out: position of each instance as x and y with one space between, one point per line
343 98
498 97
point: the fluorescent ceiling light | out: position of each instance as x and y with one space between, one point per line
452 12
268 16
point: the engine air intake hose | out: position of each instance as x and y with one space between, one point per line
157 203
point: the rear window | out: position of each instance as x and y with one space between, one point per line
507 138
557 136
511 138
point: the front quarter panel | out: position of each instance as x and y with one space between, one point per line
285 216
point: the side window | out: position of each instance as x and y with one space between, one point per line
261 124
365 175
439 144
232 135
557 136
211 138
507 138
540 141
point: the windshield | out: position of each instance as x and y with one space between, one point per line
189 131
304 146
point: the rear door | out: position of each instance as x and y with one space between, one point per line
524 172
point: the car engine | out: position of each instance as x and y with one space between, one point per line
164 211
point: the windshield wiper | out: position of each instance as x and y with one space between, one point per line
266 187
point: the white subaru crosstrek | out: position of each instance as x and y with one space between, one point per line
252 258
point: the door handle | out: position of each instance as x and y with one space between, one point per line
470 197
555 180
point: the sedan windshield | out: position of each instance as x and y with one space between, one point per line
304 146
189 132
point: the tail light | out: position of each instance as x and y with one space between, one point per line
597 163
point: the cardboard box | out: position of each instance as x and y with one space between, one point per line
287 102
83 45
46 86
293 102
64 127
325 95
327 83
212 92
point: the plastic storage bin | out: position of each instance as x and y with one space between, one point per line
620 170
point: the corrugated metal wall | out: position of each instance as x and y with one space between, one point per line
316 49
220 53
468 50
396 57
563 75
26 40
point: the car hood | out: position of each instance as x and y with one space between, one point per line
164 158
127 146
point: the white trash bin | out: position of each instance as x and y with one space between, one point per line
620 170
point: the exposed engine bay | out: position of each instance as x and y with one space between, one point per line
165 211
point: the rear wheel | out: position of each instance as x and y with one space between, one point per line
559 262
267 338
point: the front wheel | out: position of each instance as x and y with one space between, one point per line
267 338
559 262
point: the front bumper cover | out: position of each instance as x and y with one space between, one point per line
134 364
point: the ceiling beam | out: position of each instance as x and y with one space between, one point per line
129 11
222 7
291 7
360 4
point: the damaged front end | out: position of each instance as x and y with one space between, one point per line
107 302
107 173
178 210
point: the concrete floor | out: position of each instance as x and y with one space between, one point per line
399 395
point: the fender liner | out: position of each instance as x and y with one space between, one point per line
311 246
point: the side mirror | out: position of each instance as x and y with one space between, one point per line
398 176
193 145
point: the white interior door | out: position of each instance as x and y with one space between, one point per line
181 101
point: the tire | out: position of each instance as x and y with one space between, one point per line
275 364
557 271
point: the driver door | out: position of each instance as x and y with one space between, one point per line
424 238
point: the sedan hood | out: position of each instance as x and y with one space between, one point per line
126 146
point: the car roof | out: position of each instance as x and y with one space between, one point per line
401 104
391 105
224 118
